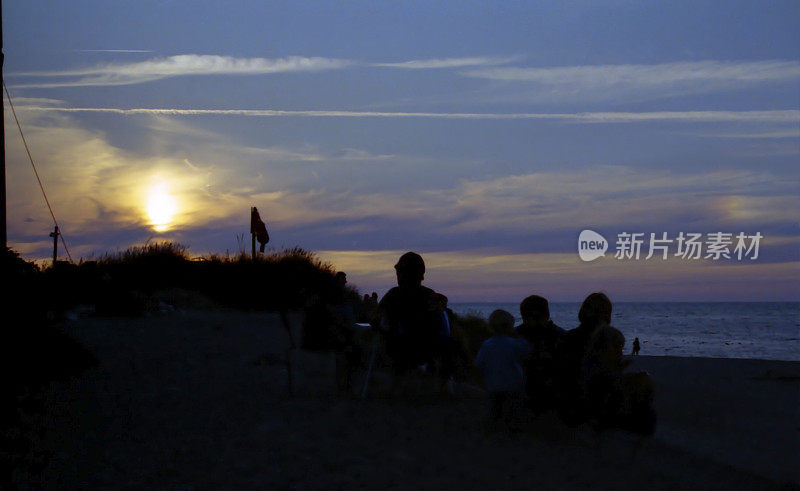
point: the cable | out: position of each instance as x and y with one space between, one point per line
36 172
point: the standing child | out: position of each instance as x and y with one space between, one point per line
500 359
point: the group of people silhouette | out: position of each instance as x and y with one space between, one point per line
535 367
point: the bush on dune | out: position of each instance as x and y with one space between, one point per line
138 279
475 330
33 349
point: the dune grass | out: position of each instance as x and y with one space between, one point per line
135 280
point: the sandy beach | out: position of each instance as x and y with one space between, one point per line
199 400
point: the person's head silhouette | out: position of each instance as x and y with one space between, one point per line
534 310
595 310
410 270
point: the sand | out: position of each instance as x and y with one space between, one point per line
182 401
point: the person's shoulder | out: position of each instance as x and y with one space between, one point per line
609 330
607 335
520 342
393 292
389 299
615 333
488 343
555 328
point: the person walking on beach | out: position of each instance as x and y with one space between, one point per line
500 360
544 337
636 346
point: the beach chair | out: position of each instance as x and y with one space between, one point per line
318 367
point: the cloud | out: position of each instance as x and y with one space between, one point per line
114 50
568 83
193 64
179 65
772 116
99 193
635 81
435 63
765 135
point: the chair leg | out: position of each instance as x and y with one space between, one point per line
369 368
289 374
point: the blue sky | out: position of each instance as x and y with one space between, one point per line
485 135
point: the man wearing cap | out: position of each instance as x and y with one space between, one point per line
408 315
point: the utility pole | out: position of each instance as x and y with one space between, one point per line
54 234
3 225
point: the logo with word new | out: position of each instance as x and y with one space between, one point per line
591 245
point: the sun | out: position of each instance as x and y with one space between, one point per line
161 207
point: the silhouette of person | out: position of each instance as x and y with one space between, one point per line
407 315
544 337
585 354
500 360
636 346
368 309
448 349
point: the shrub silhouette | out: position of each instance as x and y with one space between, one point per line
132 281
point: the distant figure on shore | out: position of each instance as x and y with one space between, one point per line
368 311
500 360
342 305
408 316
636 346
544 337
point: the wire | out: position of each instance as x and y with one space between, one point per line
36 172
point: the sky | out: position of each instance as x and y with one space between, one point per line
484 135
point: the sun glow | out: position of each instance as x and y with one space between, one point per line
161 207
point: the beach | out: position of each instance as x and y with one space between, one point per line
200 400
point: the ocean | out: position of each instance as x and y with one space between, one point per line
759 330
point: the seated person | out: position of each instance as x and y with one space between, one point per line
572 360
456 361
604 365
408 317
544 337
500 360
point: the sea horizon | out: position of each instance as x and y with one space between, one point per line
751 330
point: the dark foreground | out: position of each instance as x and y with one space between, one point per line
181 402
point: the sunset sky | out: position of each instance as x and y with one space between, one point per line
484 135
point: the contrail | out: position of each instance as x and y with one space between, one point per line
114 50
773 116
